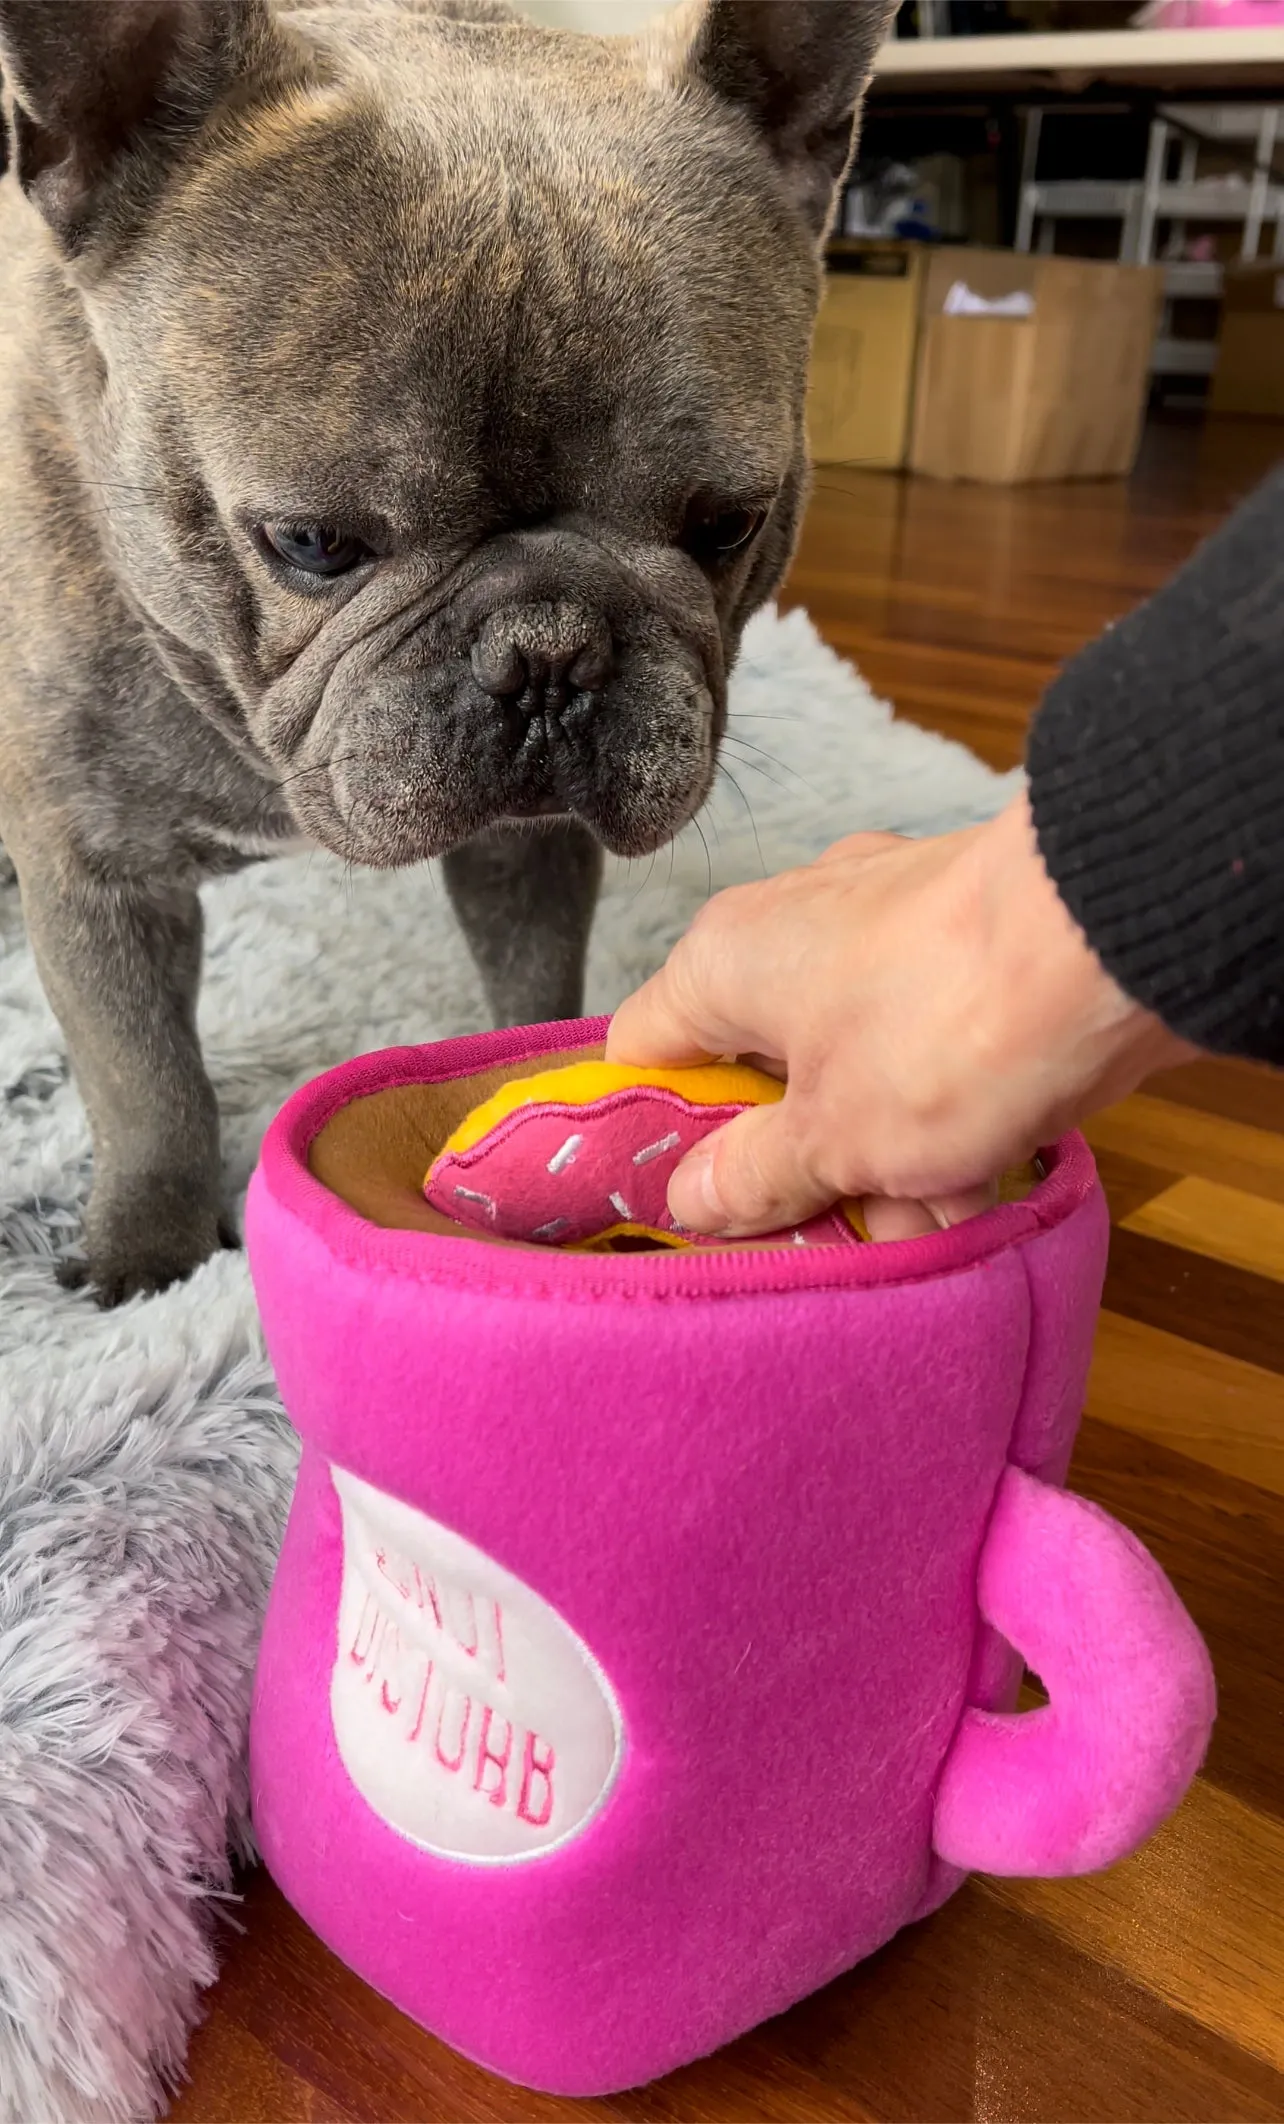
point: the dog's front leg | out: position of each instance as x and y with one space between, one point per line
121 962
525 901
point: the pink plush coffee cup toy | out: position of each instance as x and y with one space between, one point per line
645 1639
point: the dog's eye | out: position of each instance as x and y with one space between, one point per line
711 535
317 549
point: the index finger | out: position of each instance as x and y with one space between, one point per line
707 999
662 1024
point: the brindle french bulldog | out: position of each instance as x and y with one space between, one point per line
400 415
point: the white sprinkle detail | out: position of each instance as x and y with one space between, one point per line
471 1194
657 1150
550 1231
618 1203
566 1155
799 1240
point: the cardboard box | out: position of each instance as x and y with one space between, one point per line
1249 377
862 370
1058 394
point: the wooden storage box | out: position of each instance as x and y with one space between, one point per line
1060 394
1249 377
862 374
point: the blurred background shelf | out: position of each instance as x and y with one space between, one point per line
1173 189
1055 126
1074 59
1153 214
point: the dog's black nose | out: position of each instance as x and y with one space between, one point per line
540 657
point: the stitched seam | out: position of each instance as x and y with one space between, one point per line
584 1292
350 1241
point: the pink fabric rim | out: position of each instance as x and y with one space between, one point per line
529 1273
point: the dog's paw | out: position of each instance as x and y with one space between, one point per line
114 1277
143 1244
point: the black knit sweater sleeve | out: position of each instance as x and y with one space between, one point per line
1156 767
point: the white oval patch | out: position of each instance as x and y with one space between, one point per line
468 1715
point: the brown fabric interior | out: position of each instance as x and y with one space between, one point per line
373 1154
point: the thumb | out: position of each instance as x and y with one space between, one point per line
860 844
748 1177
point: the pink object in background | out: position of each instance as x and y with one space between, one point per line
638 1657
1211 14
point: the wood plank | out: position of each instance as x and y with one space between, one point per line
1228 1225
1195 1401
950 669
1240 1091
1197 1916
233 2079
994 737
1221 1543
979 2000
758 2080
1200 1299
986 2014
1182 1139
1129 1182
338 2043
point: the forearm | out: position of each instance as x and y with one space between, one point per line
1157 790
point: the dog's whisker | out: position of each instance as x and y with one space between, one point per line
753 823
774 760
668 883
650 868
275 790
752 767
708 859
350 861
845 488
755 767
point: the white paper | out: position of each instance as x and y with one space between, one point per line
963 301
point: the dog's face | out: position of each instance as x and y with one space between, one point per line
453 386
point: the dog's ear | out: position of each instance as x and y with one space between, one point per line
797 69
103 92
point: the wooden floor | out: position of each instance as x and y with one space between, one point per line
1155 1991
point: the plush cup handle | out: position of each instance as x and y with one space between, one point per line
1084 1780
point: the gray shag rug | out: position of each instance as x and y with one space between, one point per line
145 1464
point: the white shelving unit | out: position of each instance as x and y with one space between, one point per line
1170 198
1074 59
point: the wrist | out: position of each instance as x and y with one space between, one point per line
1054 980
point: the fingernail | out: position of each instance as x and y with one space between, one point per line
693 1196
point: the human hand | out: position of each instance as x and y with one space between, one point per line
934 1008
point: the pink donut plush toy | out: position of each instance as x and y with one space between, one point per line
582 1157
645 1641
